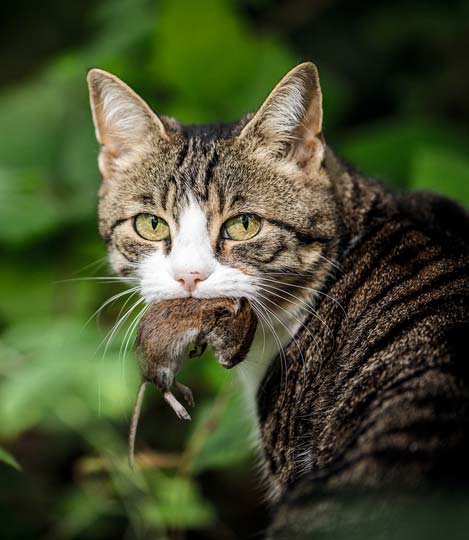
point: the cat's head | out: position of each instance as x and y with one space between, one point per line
239 210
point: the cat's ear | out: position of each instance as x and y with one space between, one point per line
289 123
124 123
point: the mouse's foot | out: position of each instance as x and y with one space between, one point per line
186 393
176 406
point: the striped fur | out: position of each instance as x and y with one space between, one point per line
373 390
384 399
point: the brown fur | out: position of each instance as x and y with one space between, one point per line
374 387
383 399
167 329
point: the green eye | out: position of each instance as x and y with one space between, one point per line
242 227
151 227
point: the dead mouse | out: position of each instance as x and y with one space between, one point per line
169 327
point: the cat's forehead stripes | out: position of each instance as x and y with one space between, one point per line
191 178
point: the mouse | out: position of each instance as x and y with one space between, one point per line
168 328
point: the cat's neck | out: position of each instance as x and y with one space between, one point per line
270 340
358 197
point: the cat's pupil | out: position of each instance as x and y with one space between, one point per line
245 222
154 222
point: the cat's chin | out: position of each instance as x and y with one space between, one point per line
156 297
153 297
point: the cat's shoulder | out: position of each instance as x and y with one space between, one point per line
439 217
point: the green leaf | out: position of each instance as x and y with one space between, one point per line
441 171
179 503
239 66
228 443
81 508
62 366
386 149
22 194
6 457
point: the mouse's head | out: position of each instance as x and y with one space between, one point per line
233 330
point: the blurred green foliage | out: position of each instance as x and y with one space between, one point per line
64 404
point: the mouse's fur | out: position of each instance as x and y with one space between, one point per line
169 327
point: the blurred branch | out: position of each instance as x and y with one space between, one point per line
145 460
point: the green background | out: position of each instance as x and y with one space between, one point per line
396 84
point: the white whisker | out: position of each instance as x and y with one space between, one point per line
112 299
301 306
315 291
101 279
283 359
289 332
298 321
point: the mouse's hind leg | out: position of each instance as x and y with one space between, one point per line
186 393
177 407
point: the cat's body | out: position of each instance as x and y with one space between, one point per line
382 397
372 389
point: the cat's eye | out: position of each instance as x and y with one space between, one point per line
151 227
242 227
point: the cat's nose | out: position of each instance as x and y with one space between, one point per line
189 280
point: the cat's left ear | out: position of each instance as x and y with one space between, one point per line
125 125
289 123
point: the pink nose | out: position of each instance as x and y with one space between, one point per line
189 280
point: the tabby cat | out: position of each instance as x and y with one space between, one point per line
359 371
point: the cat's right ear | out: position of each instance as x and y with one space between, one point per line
288 126
124 123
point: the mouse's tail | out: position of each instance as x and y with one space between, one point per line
134 421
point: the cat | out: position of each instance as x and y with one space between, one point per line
364 292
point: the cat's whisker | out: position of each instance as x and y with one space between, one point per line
263 335
112 299
303 324
126 302
129 333
257 307
313 290
98 263
101 279
305 273
283 358
301 306
109 336
299 321
289 332
117 325
332 263
289 313
263 316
